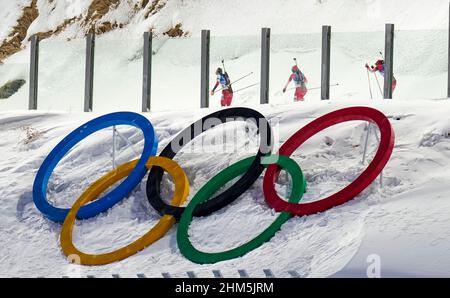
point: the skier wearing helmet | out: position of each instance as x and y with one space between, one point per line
227 92
379 66
300 83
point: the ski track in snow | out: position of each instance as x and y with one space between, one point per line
409 215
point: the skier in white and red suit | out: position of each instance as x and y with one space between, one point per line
300 82
227 91
379 66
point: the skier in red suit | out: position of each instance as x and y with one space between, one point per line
300 82
227 92
379 66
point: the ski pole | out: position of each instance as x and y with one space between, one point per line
236 81
370 86
315 88
378 83
246 87
249 74
223 65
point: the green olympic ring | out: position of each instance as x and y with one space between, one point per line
213 185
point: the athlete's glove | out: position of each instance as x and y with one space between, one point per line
212 92
284 90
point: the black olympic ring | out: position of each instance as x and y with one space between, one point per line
153 187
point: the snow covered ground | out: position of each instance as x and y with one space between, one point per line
406 222
404 225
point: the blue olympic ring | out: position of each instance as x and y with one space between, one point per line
112 197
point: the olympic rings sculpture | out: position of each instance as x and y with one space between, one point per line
249 169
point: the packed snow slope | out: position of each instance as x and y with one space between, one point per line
405 223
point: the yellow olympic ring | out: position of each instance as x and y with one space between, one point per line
158 231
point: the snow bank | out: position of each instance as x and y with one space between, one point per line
405 222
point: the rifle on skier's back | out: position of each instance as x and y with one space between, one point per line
227 77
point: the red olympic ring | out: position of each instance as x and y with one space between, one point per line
380 160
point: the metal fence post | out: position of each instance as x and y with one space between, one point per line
265 64
34 67
326 52
89 72
147 72
389 60
204 74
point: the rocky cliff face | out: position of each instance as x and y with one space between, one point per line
124 19
74 18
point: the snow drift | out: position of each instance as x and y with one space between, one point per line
405 222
